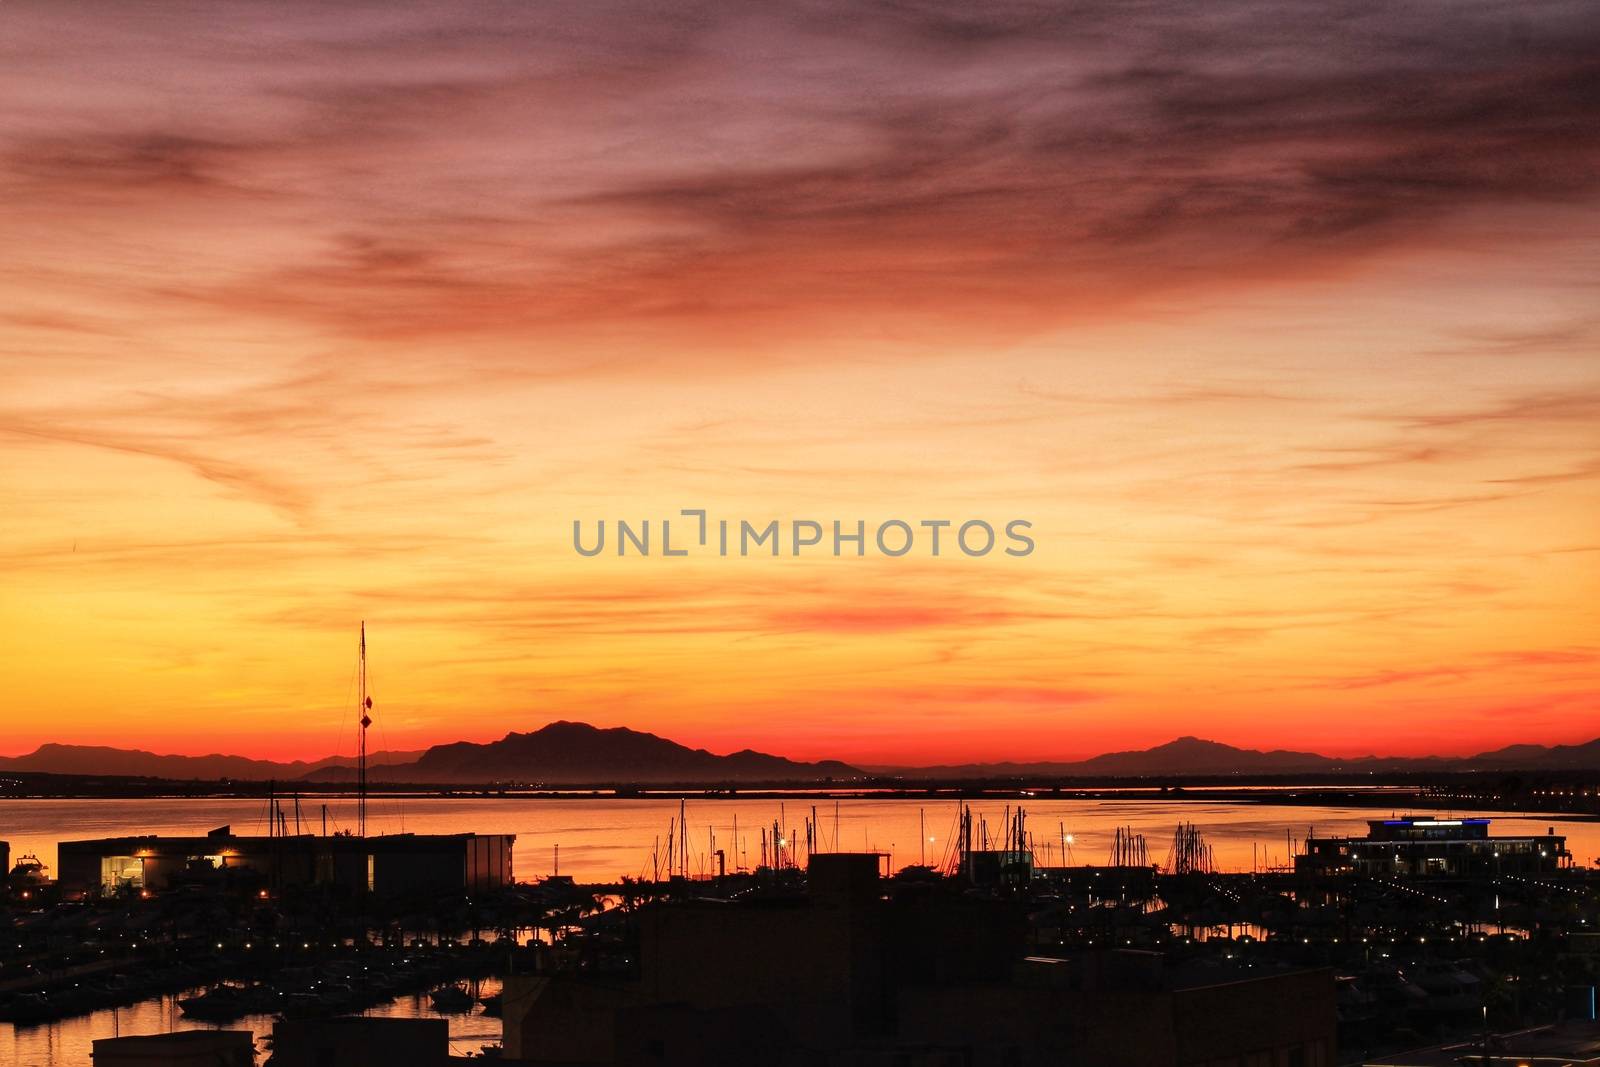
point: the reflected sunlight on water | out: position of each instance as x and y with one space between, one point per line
69 1042
602 839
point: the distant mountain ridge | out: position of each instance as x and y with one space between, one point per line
1185 755
136 763
562 753
1195 757
574 753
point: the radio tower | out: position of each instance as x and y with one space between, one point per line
364 706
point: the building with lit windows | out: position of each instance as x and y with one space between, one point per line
1425 846
391 864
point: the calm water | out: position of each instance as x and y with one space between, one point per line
70 1042
602 839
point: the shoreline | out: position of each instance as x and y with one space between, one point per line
1394 795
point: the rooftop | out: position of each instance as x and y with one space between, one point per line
1573 1043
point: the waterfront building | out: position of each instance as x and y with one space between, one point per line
359 1041
992 867
391 864
1412 845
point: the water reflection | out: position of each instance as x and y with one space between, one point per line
601 839
70 1041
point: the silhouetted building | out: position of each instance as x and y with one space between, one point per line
358 1041
926 976
389 865
1121 1008
1418 846
182 1048
997 866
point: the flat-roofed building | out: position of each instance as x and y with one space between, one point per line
1413 845
183 1048
358 1041
391 864
1574 1043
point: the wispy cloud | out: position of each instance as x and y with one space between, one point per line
1273 317
452 171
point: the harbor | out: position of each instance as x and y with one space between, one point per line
1468 921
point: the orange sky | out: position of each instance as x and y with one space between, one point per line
1277 321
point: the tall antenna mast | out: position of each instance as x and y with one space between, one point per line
364 707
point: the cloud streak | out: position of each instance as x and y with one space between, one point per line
537 172
1274 318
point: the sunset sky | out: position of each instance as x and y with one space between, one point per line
1280 322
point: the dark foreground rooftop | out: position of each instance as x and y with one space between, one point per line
1570 1044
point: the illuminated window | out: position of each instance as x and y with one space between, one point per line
116 871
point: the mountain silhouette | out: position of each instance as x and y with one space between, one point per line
573 753
1195 757
136 763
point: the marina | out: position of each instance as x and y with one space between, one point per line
70 1040
217 932
603 838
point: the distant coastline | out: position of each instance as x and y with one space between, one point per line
1436 792
566 754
